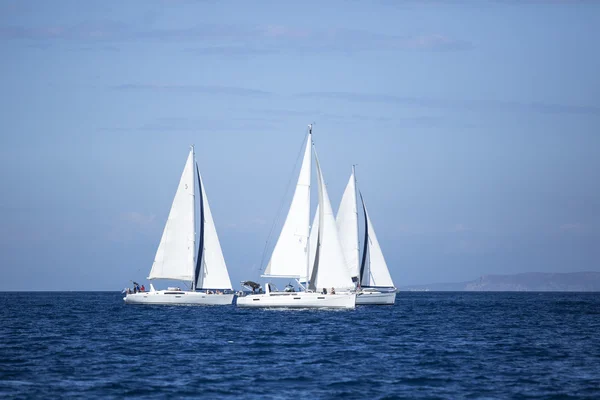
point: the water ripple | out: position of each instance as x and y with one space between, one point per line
429 345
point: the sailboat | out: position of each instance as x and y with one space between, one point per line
291 255
184 255
371 272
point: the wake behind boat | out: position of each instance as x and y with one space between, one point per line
183 255
290 257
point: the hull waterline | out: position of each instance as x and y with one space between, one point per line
179 298
297 300
376 298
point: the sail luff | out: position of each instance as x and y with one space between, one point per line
193 219
290 254
308 244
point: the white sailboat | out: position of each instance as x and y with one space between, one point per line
291 255
183 255
371 272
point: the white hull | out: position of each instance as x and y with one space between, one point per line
178 297
298 300
376 298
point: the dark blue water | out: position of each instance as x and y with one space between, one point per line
429 345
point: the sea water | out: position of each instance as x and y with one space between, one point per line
428 345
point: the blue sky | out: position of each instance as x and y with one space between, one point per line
475 125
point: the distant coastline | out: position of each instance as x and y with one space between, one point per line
588 281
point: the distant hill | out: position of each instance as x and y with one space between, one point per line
526 282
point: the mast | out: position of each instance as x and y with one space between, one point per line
308 238
357 239
194 274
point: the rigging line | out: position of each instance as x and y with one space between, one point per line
278 215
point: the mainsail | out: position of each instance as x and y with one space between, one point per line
289 258
374 271
175 254
347 224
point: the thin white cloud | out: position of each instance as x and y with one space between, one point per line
572 227
130 224
460 228
457 104
190 88
138 219
221 39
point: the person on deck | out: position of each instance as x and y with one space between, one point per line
143 289
332 290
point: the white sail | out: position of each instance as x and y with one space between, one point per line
175 254
312 248
347 224
329 264
289 258
376 272
213 270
